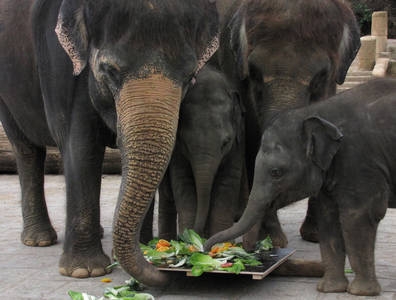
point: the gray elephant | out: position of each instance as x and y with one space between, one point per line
204 176
83 74
343 152
285 54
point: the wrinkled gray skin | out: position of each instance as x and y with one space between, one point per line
205 172
284 54
85 74
342 152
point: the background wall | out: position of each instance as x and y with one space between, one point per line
364 8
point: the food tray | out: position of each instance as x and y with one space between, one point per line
270 261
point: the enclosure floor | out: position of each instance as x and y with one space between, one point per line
32 273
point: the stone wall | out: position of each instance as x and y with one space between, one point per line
364 8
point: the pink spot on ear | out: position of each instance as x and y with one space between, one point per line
64 39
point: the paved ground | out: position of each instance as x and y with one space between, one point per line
32 273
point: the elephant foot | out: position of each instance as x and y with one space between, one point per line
42 235
309 230
364 287
336 284
278 237
250 238
84 265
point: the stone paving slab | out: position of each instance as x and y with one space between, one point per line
32 273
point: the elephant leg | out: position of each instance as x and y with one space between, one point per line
186 208
332 247
251 238
359 226
37 228
226 197
183 190
167 214
83 255
309 228
82 151
271 226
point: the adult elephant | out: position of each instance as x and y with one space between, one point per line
205 174
282 55
83 74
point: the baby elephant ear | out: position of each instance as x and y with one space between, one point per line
322 141
72 33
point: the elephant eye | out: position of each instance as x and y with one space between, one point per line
276 173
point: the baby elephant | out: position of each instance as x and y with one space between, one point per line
342 151
205 172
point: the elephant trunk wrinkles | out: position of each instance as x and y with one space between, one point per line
283 94
249 217
204 177
147 112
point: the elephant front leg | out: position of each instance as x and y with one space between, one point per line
37 228
332 247
167 214
181 181
309 228
271 226
83 255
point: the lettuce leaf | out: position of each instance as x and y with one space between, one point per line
189 236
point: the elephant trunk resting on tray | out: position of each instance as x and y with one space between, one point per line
343 152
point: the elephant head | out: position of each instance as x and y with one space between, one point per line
139 55
288 53
290 166
209 134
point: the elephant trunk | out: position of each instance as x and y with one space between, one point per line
283 94
147 112
204 177
253 211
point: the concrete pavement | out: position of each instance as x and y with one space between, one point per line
32 273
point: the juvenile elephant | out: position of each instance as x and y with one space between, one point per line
343 152
83 74
285 54
205 172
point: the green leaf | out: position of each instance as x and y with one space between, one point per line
198 270
81 296
251 262
265 244
203 260
189 236
113 265
238 252
236 267
348 271
179 264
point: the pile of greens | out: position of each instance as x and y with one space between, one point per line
188 252
129 291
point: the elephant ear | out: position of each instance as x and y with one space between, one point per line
348 48
239 41
72 33
323 140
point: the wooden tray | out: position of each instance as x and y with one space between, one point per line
271 260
